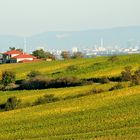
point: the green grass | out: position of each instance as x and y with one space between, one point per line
110 115
87 68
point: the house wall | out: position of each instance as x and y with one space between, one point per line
21 59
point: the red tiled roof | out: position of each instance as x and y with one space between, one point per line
13 52
24 56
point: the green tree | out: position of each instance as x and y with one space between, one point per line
78 55
65 55
136 77
12 48
8 77
19 49
126 75
42 54
39 53
12 103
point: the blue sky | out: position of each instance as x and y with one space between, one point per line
27 17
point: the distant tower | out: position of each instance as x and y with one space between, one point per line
25 45
102 43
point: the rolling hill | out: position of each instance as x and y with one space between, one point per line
65 40
80 113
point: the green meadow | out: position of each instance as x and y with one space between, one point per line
78 115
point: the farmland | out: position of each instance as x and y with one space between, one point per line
77 115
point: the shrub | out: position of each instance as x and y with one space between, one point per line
65 55
77 55
8 77
116 87
46 99
126 75
97 91
2 87
66 82
136 78
113 58
104 80
11 86
38 82
12 103
72 68
33 74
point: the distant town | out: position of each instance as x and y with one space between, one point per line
101 50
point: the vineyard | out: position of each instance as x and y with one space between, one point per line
90 111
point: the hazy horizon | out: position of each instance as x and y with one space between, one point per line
29 17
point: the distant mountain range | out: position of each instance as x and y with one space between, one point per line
65 40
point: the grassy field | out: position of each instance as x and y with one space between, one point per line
86 68
103 116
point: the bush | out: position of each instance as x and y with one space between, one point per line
12 103
97 91
46 99
116 87
72 68
113 58
66 82
77 55
104 80
126 75
136 78
38 82
8 77
33 74
11 86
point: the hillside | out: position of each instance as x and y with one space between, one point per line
85 68
80 113
65 40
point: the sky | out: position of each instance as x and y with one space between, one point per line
29 17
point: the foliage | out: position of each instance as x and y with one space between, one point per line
11 86
127 74
33 73
42 54
116 87
113 58
72 68
104 80
38 82
47 98
67 81
8 77
12 103
78 55
13 48
66 55
136 77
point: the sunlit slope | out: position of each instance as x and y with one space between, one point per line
29 96
86 68
107 115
